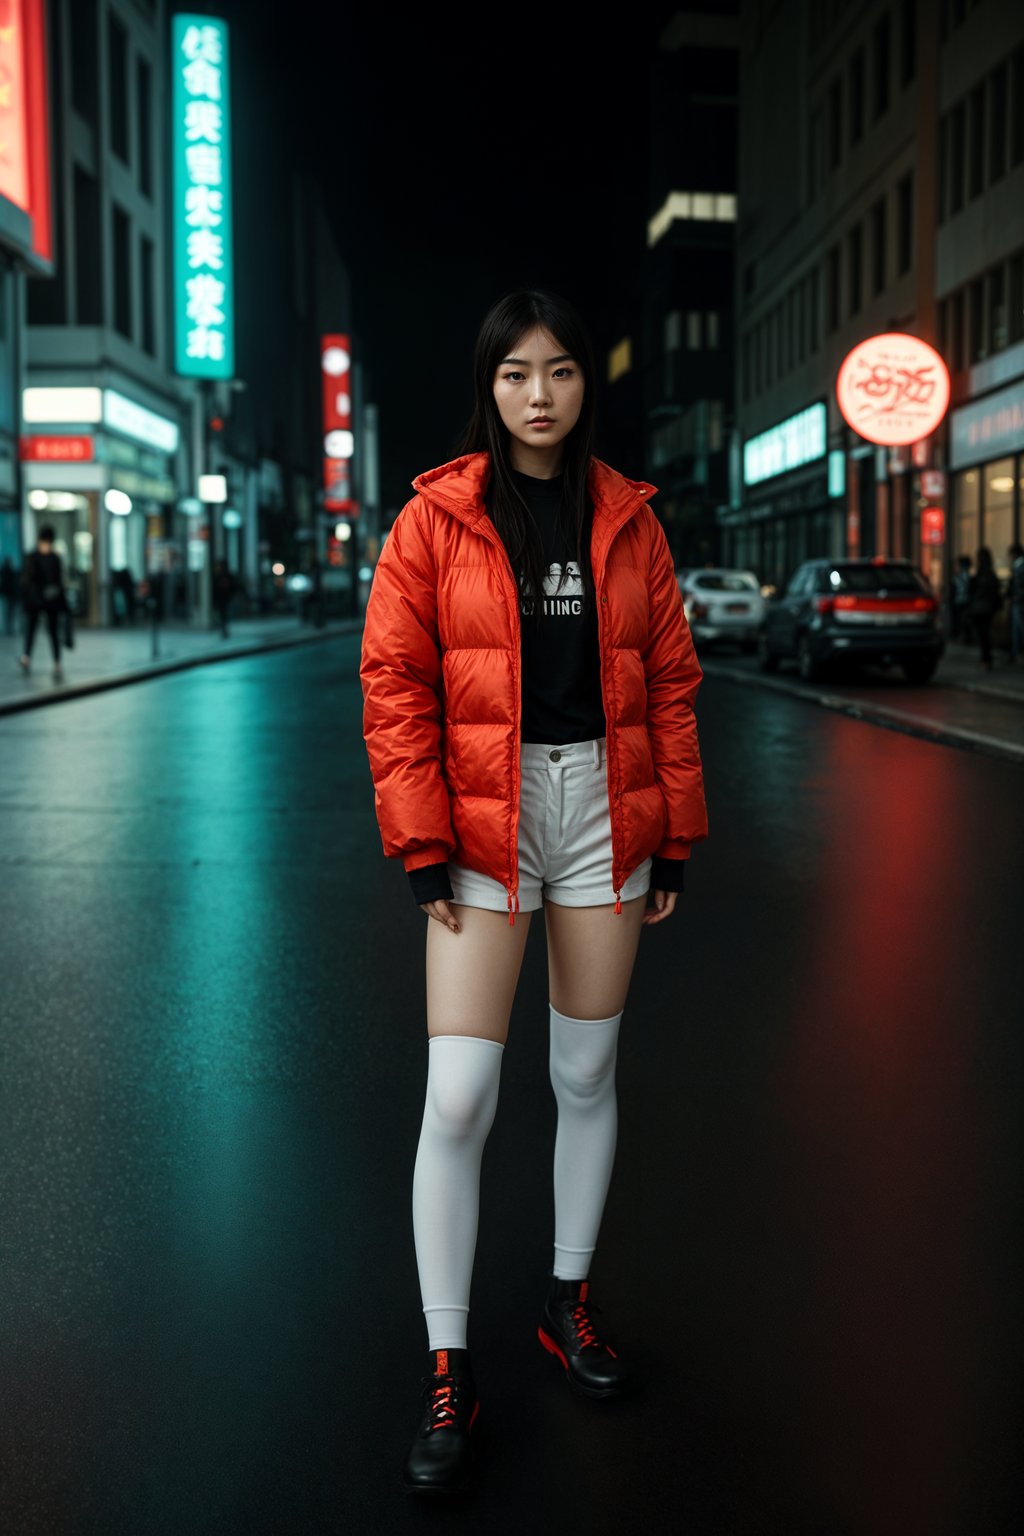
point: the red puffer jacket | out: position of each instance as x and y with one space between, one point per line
440 674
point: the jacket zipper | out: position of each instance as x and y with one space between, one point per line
613 776
512 888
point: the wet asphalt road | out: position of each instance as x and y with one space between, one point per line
213 1060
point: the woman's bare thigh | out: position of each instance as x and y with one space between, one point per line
591 952
472 975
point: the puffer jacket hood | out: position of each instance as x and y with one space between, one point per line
441 678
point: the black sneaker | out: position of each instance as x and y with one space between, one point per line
443 1453
567 1332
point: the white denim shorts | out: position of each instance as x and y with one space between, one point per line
565 834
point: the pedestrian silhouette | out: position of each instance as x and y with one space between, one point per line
9 593
224 585
986 601
42 593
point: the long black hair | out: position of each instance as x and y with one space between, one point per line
504 325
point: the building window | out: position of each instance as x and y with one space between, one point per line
997 124
148 296
84 58
942 190
1017 107
1015 307
88 250
693 329
976 155
117 51
835 123
144 97
857 97
813 324
878 242
976 302
997 327
957 156
815 154
832 289
801 320
905 224
957 355
854 246
908 41
712 329
881 70
122 273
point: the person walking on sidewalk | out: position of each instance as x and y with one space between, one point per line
42 593
986 601
528 679
223 592
961 600
1016 602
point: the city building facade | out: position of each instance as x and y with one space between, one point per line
882 190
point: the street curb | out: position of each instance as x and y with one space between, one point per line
877 714
146 673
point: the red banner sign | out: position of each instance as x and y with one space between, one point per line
57 450
24 118
893 389
933 525
336 378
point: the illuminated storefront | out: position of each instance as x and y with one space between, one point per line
102 468
986 460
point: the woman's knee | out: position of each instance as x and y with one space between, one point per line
462 1085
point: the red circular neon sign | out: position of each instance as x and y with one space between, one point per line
893 389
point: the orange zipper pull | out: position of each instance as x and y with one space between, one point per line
618 902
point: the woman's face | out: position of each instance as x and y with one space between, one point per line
538 379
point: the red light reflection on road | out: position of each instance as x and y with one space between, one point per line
877 1093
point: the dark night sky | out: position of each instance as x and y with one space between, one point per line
457 165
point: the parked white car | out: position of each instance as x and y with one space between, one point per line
722 604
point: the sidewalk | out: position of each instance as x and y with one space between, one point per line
961 667
963 706
108 658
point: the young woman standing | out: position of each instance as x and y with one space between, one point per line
528 683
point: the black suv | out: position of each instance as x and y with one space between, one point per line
876 610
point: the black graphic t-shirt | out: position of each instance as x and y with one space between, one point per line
561 670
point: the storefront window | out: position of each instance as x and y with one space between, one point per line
968 502
999 512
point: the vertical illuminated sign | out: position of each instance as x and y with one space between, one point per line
336 376
201 136
24 120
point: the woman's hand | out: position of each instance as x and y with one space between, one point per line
664 902
441 910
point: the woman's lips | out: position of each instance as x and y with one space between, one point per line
541 421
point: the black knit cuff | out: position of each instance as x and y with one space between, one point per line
430 883
667 874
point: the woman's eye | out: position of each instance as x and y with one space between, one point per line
566 371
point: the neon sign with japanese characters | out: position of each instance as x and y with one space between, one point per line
203 278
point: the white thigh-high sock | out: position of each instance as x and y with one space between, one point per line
463 1074
582 1064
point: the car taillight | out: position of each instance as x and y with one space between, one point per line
880 604
824 604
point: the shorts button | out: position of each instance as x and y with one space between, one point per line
556 756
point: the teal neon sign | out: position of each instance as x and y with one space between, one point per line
798 440
204 295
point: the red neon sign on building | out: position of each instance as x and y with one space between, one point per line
336 376
893 389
